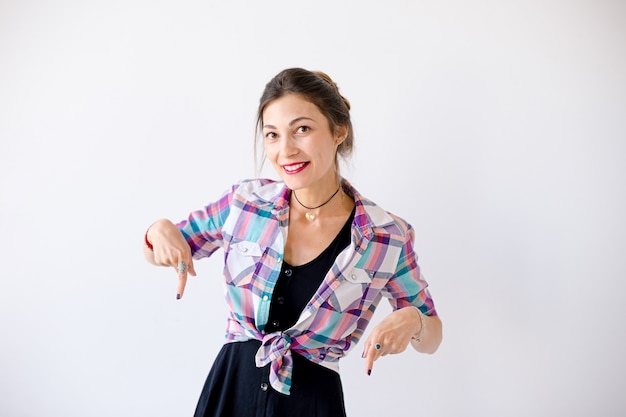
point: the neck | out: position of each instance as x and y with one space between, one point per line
314 204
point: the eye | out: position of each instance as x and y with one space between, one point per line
303 129
270 135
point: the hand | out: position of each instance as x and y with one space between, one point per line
391 336
170 249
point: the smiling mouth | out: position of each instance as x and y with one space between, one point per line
295 168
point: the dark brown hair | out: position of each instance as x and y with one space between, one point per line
317 88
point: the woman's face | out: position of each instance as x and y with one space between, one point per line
299 143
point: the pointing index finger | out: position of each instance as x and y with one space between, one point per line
371 354
182 270
182 281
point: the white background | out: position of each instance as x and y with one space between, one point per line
497 128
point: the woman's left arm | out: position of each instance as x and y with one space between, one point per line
414 319
401 327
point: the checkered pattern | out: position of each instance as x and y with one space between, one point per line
250 223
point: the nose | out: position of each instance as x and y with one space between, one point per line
288 146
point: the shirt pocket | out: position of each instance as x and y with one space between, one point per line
350 292
241 262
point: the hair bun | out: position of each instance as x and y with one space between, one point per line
330 81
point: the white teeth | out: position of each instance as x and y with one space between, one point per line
292 168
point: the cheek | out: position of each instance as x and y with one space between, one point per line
267 150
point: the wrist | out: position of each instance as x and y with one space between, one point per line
417 337
147 240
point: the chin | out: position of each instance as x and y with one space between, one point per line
292 183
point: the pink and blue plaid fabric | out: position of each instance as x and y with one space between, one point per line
250 222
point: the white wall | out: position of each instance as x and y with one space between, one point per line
496 128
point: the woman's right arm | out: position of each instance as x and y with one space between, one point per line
169 248
200 234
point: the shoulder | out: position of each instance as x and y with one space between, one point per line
374 217
385 222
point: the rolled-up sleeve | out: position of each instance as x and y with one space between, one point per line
408 287
203 228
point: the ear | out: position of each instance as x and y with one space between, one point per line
341 132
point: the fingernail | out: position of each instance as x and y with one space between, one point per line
363 354
369 372
178 296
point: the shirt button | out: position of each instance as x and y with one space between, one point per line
280 300
244 250
288 272
275 323
353 277
263 386
266 297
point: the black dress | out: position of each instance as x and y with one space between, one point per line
235 386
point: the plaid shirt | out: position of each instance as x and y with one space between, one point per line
250 222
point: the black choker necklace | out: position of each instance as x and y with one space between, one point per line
310 216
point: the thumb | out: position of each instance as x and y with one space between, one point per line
190 269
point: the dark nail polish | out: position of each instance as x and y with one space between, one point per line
369 372
178 296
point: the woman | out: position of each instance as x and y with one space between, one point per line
307 260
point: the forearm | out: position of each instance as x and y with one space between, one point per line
431 335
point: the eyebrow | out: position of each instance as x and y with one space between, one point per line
293 122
